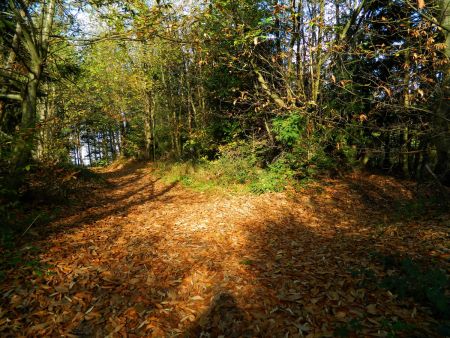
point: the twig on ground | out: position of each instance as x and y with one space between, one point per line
23 234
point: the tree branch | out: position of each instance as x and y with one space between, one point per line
274 96
15 97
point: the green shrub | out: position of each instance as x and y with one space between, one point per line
288 129
427 285
273 179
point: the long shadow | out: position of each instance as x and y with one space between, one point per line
318 272
101 204
223 318
99 288
303 269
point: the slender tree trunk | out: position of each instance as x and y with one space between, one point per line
387 151
79 150
148 132
316 74
299 57
153 126
407 104
9 63
442 111
111 144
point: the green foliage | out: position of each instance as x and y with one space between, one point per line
426 284
275 178
101 162
236 168
14 257
289 129
345 330
397 328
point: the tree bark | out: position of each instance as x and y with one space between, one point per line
442 111
36 45
148 132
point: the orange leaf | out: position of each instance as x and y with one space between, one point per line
340 315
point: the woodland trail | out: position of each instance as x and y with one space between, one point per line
147 259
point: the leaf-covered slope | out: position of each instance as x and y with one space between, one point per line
147 259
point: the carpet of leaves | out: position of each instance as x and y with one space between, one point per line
141 258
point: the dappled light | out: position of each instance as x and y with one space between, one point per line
224 168
150 259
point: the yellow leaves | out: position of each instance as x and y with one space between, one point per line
93 315
16 300
363 117
189 317
116 330
421 4
440 46
38 329
196 298
61 288
70 176
387 90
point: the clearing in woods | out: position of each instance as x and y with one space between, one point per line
143 258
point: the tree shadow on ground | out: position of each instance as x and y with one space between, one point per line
132 190
99 204
223 318
316 267
278 268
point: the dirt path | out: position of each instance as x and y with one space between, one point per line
149 259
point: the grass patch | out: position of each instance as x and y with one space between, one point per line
427 285
238 168
423 282
223 174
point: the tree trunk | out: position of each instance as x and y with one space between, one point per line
148 132
24 146
442 112
36 45
88 142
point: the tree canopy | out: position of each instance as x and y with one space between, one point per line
310 84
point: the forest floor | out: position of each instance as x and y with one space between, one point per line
136 257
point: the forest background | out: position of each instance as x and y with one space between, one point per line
259 93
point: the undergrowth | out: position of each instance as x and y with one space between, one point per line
14 257
238 168
424 282
237 176
39 193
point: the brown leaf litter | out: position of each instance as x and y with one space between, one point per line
142 258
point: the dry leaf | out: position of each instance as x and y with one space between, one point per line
196 298
372 309
340 315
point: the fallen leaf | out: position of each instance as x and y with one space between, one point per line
372 309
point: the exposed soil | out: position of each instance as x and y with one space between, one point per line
142 258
